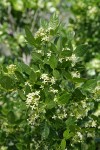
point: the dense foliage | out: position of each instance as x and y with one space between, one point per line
49 76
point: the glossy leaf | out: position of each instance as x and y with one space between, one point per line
81 50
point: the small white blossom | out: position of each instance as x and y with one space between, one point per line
27 83
52 80
53 91
60 59
39 51
75 74
79 135
49 54
93 124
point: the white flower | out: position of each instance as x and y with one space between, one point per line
54 117
39 51
54 91
49 54
44 76
79 135
73 58
60 59
75 74
93 124
52 80
27 83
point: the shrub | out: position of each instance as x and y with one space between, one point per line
49 105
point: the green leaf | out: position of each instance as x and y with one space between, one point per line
33 77
27 89
7 83
36 57
29 37
66 53
64 98
59 44
79 80
70 121
77 95
56 74
19 76
63 144
81 50
25 68
67 134
45 132
21 94
53 48
89 85
50 104
53 61
11 117
70 124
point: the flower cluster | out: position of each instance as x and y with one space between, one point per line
72 58
44 34
11 69
32 100
47 79
61 112
53 90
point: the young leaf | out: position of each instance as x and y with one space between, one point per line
59 44
56 74
53 61
63 99
54 21
29 37
44 23
63 144
33 76
67 134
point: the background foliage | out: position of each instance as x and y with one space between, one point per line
49 87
